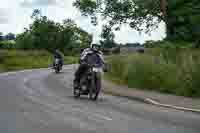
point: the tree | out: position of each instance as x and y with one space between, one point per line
1 36
1 39
24 40
107 33
36 14
10 36
108 37
133 12
183 20
44 33
180 16
69 23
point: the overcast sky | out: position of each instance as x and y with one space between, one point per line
15 16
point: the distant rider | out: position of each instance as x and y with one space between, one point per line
58 55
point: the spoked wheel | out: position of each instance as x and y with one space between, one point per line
57 69
76 92
94 88
93 95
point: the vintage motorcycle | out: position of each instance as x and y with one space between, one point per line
57 65
90 82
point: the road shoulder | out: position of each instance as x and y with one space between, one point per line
154 98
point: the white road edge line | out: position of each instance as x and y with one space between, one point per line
171 106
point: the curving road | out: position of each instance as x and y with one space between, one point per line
40 101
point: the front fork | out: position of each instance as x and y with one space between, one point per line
96 81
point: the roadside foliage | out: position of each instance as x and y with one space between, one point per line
175 71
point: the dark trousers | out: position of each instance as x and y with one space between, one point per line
80 71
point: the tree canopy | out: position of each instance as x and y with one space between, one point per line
180 16
1 36
44 33
183 20
133 12
107 37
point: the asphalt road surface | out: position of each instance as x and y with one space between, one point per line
40 101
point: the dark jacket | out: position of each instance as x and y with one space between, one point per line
58 54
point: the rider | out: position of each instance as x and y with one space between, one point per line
95 48
58 55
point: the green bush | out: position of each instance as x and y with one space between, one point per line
7 45
169 44
175 71
146 73
70 60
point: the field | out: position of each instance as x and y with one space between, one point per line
11 60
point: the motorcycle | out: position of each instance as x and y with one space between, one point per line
57 65
90 81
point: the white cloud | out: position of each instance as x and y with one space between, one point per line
36 3
126 34
4 16
17 16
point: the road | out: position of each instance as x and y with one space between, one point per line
40 101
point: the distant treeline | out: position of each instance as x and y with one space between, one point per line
46 34
9 36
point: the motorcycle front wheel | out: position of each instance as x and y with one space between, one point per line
76 92
95 86
57 69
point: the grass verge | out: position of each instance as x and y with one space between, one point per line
174 71
12 60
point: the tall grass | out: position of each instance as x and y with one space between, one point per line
11 60
175 71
